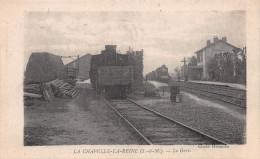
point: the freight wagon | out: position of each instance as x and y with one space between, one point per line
110 73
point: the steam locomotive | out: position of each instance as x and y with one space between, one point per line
160 74
111 73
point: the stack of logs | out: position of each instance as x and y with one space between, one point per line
49 90
33 91
63 89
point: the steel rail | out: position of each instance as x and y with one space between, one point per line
148 141
214 92
228 89
219 86
170 119
243 106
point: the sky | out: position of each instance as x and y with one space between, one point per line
165 37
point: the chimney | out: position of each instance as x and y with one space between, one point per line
208 42
224 39
215 39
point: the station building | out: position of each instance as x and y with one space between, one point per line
206 53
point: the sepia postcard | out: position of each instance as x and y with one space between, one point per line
129 79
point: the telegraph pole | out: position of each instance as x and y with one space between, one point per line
78 66
184 65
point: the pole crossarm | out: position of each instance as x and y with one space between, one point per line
184 61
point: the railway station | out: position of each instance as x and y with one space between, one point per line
130 79
135 78
116 103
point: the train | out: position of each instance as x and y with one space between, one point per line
160 74
111 74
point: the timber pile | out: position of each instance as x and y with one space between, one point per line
32 88
49 90
63 89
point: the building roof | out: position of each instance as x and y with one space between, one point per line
88 54
214 44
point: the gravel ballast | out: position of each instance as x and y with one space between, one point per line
222 122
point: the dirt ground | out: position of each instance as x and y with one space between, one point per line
85 119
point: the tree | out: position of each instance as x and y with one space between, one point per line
228 67
193 61
241 65
213 68
177 71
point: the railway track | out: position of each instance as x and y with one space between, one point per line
157 129
222 89
218 86
241 102
225 94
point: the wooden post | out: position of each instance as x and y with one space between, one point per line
78 66
132 79
67 72
184 65
163 90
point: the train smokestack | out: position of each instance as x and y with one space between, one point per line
111 48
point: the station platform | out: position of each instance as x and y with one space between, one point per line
234 85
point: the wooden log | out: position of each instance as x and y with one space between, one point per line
50 82
67 87
64 84
60 84
61 90
45 92
69 92
74 95
65 91
31 86
56 82
34 86
32 95
35 90
74 92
